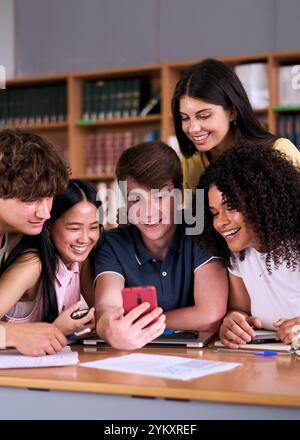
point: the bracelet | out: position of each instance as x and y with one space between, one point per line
2 337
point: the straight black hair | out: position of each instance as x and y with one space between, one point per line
43 247
215 82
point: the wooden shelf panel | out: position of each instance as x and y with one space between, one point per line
119 121
96 177
125 72
243 59
34 127
260 110
36 80
286 57
239 59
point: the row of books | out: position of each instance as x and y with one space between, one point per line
289 127
33 105
289 85
118 99
103 149
254 77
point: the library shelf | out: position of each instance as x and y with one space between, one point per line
76 134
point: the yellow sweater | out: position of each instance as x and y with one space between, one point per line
194 167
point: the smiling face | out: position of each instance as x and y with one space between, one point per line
26 217
206 125
75 232
151 212
230 223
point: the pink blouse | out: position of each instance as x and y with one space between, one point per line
67 287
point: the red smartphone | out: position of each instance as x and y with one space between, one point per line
134 296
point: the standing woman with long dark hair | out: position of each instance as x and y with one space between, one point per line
212 114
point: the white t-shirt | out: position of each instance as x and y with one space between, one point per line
272 296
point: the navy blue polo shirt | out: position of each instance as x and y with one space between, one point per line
122 250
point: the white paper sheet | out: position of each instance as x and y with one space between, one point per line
13 359
169 367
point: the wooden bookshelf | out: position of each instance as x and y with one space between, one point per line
74 130
82 129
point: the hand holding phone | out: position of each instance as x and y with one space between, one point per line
73 319
135 324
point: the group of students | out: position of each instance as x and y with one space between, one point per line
241 273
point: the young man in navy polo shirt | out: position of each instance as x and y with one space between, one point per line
191 283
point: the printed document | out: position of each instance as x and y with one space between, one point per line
13 359
169 367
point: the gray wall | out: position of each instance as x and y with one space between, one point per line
71 35
7 32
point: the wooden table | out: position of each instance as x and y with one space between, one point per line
262 388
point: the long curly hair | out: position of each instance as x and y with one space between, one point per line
264 185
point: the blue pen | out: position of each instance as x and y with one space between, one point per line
266 353
249 352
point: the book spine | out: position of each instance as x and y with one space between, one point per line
151 105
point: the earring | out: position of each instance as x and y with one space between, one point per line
234 121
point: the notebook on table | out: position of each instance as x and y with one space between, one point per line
183 339
264 340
